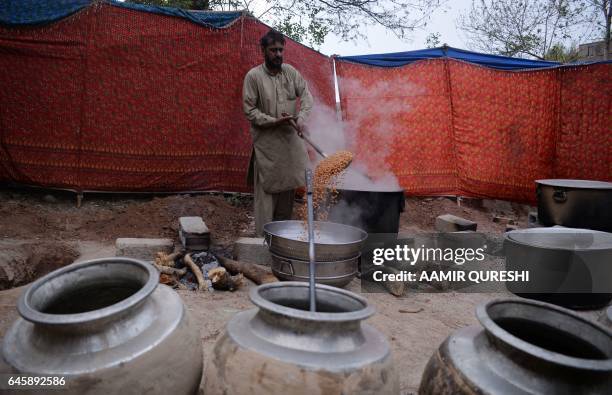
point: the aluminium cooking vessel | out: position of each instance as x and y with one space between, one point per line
569 267
281 347
333 242
335 273
575 203
522 347
374 211
107 327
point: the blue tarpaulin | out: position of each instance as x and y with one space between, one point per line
40 12
403 58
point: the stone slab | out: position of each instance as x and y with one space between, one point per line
253 250
193 225
452 223
142 248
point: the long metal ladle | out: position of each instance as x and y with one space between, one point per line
311 244
323 154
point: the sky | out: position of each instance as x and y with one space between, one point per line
379 40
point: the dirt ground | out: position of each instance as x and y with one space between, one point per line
56 232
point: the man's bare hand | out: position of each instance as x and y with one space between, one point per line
285 119
296 124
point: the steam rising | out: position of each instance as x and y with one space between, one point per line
375 121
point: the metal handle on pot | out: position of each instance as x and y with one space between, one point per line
559 195
286 262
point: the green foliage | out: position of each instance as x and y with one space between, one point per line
561 53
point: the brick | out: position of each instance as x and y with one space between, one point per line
194 225
461 239
140 248
452 223
253 250
194 234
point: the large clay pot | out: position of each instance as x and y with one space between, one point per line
525 347
283 348
108 328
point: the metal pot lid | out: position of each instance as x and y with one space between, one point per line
584 184
562 238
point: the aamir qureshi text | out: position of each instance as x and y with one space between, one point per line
474 276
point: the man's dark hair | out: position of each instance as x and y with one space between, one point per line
271 37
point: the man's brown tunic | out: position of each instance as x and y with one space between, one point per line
278 158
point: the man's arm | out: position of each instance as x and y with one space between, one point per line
249 104
306 100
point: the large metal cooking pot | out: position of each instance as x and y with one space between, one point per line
335 273
333 242
522 347
107 327
569 267
281 347
375 211
575 203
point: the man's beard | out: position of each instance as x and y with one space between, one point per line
272 65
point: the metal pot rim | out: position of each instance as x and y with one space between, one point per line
575 183
264 304
364 235
29 313
560 230
603 365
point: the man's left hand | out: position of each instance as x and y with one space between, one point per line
298 124
301 127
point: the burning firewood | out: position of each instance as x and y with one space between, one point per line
395 288
221 279
171 271
163 259
256 273
196 272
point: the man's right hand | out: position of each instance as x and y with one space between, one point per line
284 120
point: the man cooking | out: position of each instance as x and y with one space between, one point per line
278 158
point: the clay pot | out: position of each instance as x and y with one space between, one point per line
107 327
523 347
282 348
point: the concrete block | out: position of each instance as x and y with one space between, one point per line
140 248
461 239
194 234
253 250
408 238
194 225
452 223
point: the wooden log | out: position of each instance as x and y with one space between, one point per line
395 288
221 279
256 273
196 272
163 259
171 270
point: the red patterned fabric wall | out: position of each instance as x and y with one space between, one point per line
123 100
584 138
400 120
470 130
